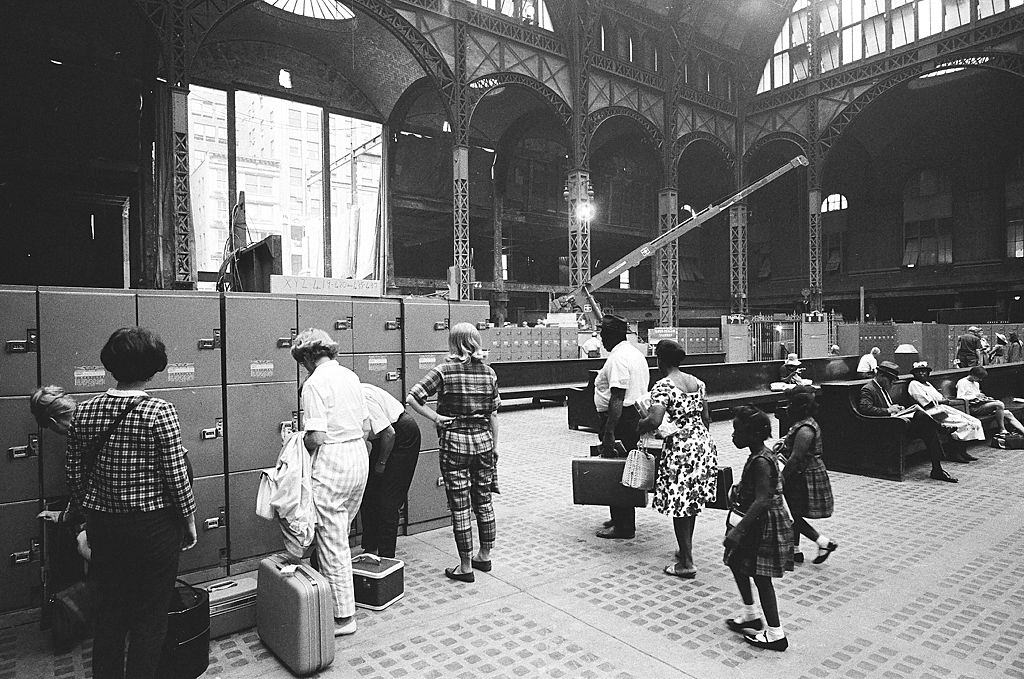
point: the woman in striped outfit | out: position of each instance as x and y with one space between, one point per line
333 415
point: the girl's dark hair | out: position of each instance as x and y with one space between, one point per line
134 354
670 352
753 420
802 402
979 372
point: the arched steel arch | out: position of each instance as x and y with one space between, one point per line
682 143
479 87
649 128
799 140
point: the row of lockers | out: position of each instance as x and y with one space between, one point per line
530 344
693 340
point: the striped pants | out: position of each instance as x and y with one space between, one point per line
467 482
339 478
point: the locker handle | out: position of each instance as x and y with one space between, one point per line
392 376
440 481
284 342
207 343
393 325
440 325
208 434
20 452
343 324
17 347
211 524
19 558
227 584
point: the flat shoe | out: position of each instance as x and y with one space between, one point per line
609 524
942 475
969 457
454 574
760 640
346 629
685 575
744 627
825 552
613 534
484 566
798 557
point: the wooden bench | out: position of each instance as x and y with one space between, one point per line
543 379
878 446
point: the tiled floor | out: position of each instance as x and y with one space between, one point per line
928 582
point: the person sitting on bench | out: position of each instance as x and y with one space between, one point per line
979 405
875 400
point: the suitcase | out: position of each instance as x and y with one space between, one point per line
723 480
295 614
378 582
186 651
598 481
232 604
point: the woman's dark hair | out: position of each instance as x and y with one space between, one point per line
802 402
134 354
979 372
670 352
753 420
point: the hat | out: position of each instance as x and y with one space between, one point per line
792 359
974 328
889 368
921 366
614 323
1000 337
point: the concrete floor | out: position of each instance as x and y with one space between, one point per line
928 582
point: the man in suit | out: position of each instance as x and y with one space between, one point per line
875 400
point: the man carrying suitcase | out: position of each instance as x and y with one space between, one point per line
620 383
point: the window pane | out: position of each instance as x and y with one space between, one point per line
829 52
781 69
911 252
798 28
874 7
1015 239
958 13
208 176
874 36
799 60
851 12
766 79
852 45
828 16
929 252
355 187
259 118
902 26
782 40
929 18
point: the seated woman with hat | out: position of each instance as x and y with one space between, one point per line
790 371
960 425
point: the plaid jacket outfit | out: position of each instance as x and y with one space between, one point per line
467 392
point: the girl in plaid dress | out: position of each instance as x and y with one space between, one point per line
467 425
804 479
760 545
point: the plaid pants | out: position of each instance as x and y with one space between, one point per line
467 482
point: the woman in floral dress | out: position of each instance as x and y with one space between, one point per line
687 468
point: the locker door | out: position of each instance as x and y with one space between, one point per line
427 499
382 370
416 365
211 525
425 324
202 426
376 325
476 313
19 445
428 431
189 325
52 453
344 360
255 415
331 314
73 327
20 552
19 330
258 330
250 535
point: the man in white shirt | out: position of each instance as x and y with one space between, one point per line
592 347
622 380
869 363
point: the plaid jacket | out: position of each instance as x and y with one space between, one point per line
141 468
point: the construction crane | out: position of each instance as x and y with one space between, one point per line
582 299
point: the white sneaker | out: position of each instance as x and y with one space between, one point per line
346 629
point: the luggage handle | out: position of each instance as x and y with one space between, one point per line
226 584
369 557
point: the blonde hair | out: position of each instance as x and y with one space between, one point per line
312 344
464 343
50 402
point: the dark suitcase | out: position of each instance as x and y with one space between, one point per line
186 652
295 614
598 481
723 483
232 604
378 582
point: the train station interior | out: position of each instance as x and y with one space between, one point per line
817 177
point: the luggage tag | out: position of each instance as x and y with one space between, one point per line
289 569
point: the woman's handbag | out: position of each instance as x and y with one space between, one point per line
723 485
639 470
186 651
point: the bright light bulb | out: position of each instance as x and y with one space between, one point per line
284 79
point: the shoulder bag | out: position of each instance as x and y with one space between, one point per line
638 472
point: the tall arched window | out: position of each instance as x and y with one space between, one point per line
927 219
836 201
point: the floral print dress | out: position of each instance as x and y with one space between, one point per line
688 466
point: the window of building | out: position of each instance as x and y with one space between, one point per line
297 232
313 121
1015 233
295 148
833 252
208 171
527 12
296 262
603 39
836 201
624 280
294 118
927 243
355 178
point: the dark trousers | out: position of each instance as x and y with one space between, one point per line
927 429
386 493
625 431
134 563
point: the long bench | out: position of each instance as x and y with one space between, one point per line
878 446
728 385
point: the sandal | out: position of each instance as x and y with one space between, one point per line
672 569
826 552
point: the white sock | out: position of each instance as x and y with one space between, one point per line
774 633
748 613
822 541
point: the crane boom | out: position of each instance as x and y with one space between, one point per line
582 298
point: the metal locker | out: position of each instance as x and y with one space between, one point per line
52 453
189 325
376 325
382 370
19 445
425 324
73 327
344 360
255 418
211 525
200 415
19 360
258 331
20 555
250 535
416 365
428 430
427 499
334 315
475 312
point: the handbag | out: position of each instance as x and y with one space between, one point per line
723 485
638 472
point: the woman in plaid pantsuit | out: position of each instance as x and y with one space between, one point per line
467 424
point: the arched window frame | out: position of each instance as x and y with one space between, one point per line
834 202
